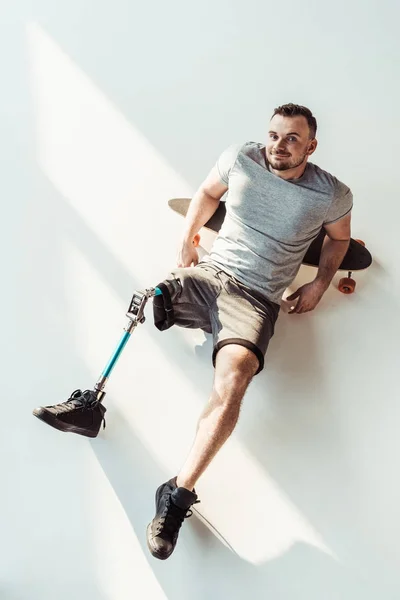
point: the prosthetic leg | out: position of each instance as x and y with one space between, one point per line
83 412
135 315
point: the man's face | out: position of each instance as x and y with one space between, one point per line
288 144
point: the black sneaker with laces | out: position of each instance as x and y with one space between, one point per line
172 507
82 413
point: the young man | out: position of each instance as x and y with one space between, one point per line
276 204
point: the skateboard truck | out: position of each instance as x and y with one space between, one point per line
135 315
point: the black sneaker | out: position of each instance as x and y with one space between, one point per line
172 507
82 413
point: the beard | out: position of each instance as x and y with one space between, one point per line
284 164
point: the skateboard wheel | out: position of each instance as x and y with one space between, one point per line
347 285
361 242
196 240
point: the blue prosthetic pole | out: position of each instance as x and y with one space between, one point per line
135 316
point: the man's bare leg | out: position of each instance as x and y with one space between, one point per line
235 366
234 369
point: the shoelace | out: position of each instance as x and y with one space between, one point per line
173 517
79 400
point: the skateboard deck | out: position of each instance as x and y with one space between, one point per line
357 257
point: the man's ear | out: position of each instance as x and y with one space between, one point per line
312 146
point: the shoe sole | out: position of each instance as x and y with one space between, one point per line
53 422
154 552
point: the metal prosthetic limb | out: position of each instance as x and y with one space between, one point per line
135 315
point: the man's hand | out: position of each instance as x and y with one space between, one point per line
308 296
187 254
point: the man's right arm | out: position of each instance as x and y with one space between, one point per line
203 205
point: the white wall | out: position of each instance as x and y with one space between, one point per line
107 110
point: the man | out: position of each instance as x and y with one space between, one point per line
276 204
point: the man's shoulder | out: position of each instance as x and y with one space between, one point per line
253 150
246 146
249 147
243 154
325 178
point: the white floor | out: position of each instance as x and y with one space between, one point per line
108 111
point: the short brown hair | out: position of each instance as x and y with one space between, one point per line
293 110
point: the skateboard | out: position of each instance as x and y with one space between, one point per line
357 257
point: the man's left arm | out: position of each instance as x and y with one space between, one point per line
333 251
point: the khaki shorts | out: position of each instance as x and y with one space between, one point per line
210 299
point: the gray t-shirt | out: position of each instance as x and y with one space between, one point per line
270 222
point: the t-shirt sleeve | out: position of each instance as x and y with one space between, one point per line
226 162
341 204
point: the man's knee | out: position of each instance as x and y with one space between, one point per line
236 364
